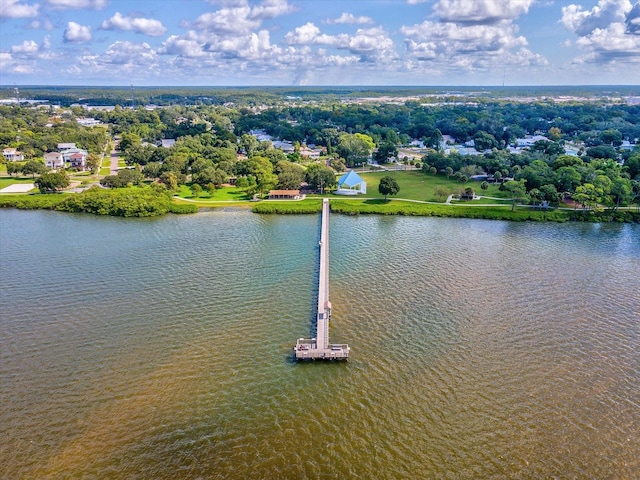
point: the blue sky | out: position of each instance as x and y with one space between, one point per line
319 42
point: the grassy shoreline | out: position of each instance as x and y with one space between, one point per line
348 207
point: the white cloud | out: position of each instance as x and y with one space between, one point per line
14 9
44 24
228 21
301 35
350 18
27 48
239 18
611 44
370 44
76 33
122 58
467 48
184 47
633 20
480 11
606 32
271 9
148 26
583 22
6 61
76 4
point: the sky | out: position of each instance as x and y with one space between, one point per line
319 42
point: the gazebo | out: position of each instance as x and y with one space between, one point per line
351 184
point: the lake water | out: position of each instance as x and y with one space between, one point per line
162 348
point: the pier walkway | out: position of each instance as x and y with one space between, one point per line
319 348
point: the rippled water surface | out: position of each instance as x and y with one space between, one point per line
161 348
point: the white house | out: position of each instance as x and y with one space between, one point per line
12 155
351 184
53 160
75 157
66 146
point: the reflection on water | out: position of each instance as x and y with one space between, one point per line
161 348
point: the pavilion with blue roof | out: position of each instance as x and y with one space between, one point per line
351 184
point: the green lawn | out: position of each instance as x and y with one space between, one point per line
415 185
224 194
6 181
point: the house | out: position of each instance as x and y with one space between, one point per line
88 122
78 160
12 155
285 195
53 160
167 142
66 146
75 157
351 184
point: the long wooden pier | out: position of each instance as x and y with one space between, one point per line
319 348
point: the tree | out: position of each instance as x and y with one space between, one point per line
290 175
441 192
13 168
93 162
320 177
355 148
550 194
554 134
621 190
170 180
210 175
517 190
196 190
124 178
484 185
484 141
449 172
52 182
338 164
567 179
611 136
388 186
261 169
386 151
152 170
33 167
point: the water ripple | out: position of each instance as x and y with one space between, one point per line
161 348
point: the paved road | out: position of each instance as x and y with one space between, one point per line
115 158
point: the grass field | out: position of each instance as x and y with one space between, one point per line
6 181
415 185
224 194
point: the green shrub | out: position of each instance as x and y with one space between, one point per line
32 202
305 206
182 208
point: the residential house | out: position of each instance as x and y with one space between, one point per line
78 160
53 160
66 146
75 158
12 155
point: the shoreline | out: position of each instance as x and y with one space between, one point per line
361 207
